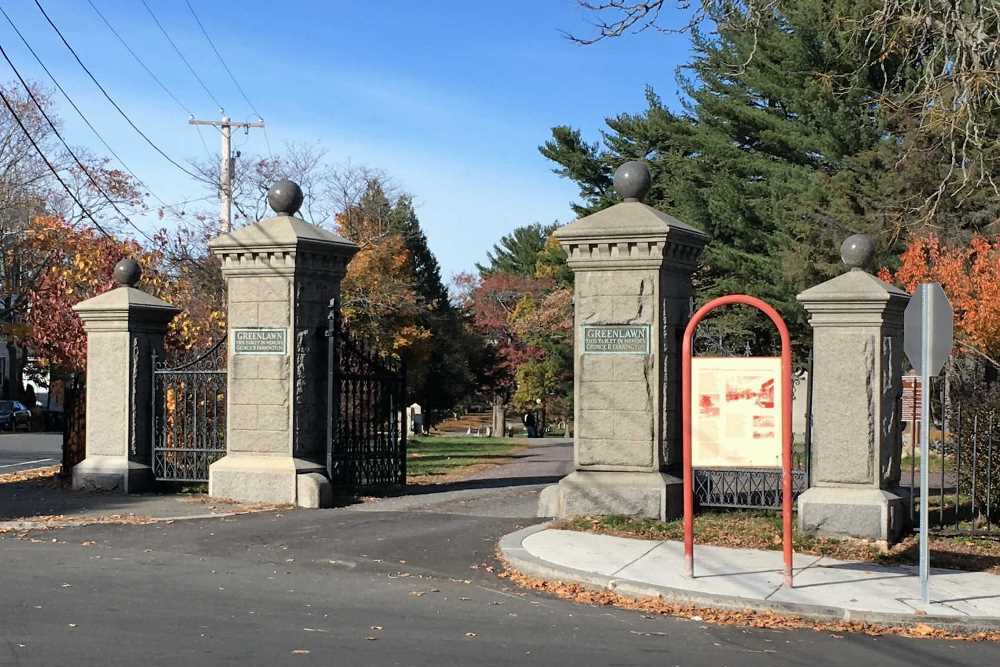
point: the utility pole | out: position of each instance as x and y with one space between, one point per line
226 165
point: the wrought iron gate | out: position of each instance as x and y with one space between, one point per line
189 416
366 423
964 450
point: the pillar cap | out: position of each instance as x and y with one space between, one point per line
282 232
631 235
126 304
127 272
857 251
632 180
852 286
285 197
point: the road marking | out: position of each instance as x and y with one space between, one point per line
25 463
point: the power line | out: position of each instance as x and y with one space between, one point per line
115 104
221 60
152 74
48 164
139 60
55 173
82 115
181 55
55 130
232 77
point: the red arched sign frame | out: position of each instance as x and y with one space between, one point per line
786 424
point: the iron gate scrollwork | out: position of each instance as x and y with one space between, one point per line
366 400
189 416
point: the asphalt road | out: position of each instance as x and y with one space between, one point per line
396 582
24 451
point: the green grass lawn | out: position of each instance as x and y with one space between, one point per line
447 455
935 462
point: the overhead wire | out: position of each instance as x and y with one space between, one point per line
97 186
115 104
180 54
83 116
139 60
50 166
183 258
152 74
232 77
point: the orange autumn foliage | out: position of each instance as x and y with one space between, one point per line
77 264
970 276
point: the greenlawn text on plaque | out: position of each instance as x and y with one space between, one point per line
616 339
259 341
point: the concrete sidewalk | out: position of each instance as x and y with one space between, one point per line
749 579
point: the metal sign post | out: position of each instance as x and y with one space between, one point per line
928 332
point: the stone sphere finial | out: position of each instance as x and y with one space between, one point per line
127 272
632 180
857 251
285 197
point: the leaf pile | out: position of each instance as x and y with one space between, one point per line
742 617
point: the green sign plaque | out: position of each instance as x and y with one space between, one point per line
616 339
259 341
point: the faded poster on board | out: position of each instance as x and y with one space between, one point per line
736 412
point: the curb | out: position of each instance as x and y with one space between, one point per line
520 559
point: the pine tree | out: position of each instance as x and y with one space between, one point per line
779 154
518 251
425 267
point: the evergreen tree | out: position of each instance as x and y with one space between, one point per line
441 376
779 154
518 251
426 270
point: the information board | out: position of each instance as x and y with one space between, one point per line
912 395
616 339
736 412
259 341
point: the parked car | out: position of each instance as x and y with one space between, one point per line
14 415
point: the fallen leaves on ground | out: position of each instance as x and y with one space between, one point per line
50 521
48 476
743 617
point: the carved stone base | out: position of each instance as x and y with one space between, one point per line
853 512
268 479
646 494
112 473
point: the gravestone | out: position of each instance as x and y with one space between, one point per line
632 266
415 418
857 323
280 276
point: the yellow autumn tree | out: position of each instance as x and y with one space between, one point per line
379 294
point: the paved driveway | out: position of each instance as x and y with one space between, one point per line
395 582
23 451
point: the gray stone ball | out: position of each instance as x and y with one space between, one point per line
285 197
127 272
632 180
857 251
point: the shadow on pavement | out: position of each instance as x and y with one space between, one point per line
493 483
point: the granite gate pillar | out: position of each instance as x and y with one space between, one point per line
124 327
280 276
632 266
857 323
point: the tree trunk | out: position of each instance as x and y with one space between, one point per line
499 417
15 368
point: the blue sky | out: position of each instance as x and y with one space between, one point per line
451 98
